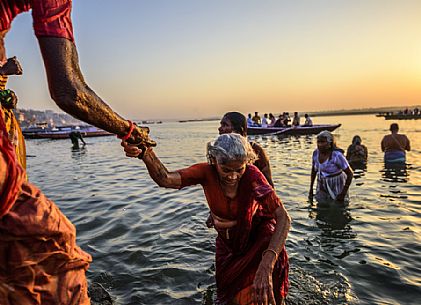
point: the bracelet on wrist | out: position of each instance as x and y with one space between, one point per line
129 133
272 251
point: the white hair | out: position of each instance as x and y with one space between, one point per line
327 135
231 147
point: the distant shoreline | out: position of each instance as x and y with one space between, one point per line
333 113
359 111
61 118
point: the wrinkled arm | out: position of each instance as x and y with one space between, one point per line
263 284
156 169
70 92
277 242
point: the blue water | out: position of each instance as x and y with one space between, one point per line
151 246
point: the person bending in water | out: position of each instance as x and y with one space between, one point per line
251 221
333 173
75 136
357 153
40 262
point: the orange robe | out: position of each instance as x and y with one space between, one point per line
40 262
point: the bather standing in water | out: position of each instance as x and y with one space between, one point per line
357 153
251 221
331 168
395 145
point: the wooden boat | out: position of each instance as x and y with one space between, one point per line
402 117
298 130
63 132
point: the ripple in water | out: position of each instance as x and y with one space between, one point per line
151 245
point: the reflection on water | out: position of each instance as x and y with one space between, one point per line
333 219
395 172
358 166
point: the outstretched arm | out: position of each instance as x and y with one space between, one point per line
70 92
156 169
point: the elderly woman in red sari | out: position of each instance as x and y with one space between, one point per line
251 221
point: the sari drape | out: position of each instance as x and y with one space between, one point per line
40 262
238 257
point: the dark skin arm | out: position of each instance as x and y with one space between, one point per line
349 176
262 284
71 93
81 139
313 177
156 169
11 67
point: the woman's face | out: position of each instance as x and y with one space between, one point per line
231 172
225 126
323 144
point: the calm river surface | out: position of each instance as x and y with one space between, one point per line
151 245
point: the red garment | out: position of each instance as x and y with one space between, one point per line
50 17
15 175
239 253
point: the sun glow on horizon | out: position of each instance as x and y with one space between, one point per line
203 58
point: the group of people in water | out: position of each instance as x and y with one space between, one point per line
40 262
283 120
334 170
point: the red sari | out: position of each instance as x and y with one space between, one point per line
239 250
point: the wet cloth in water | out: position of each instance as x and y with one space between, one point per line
239 251
331 177
395 156
40 263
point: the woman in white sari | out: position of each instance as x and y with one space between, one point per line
331 168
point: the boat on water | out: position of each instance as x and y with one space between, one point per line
396 116
296 130
62 132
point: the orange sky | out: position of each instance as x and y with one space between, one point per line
197 59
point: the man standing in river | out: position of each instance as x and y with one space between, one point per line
40 262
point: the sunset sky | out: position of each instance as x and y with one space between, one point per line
162 59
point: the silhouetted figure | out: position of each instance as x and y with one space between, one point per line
394 146
357 154
308 121
75 136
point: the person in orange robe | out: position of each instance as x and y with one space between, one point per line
40 262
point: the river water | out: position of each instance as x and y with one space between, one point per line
151 245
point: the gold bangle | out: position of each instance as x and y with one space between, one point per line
270 250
